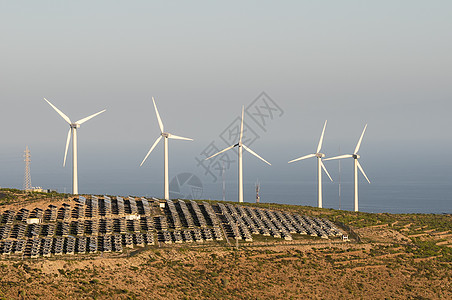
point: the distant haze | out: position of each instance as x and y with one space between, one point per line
384 63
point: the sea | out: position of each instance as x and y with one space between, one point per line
381 197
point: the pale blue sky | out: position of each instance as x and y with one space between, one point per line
387 63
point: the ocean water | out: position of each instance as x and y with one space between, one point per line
401 197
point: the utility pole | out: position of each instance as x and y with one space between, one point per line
258 187
27 175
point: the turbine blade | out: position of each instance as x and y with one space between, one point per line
301 158
241 125
339 157
66 118
362 171
324 169
67 146
175 137
321 138
360 140
255 154
150 150
80 122
224 150
158 116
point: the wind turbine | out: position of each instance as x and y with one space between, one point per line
240 145
73 131
165 136
320 166
356 165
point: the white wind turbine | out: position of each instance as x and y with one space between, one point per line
356 165
73 130
320 166
240 151
166 136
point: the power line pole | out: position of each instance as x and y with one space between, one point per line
27 176
258 187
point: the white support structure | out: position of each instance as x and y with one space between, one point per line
319 182
165 171
240 195
355 175
74 161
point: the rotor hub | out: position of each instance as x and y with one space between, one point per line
74 125
320 155
356 156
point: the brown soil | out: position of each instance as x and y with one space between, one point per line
381 234
344 271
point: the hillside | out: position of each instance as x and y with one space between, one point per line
387 256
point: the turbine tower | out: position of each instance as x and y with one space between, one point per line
73 132
357 165
320 166
240 145
165 136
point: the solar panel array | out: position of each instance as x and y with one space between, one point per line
145 208
105 224
240 221
119 206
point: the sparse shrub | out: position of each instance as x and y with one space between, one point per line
224 281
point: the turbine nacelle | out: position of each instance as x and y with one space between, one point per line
74 125
319 155
355 156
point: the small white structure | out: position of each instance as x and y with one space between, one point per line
33 221
133 217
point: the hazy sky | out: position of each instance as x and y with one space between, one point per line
385 63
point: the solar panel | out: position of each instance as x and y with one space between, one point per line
81 200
